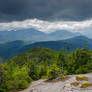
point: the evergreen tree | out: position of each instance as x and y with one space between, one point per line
61 59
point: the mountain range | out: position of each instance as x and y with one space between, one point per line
34 35
11 49
73 43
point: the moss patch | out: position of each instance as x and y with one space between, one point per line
86 84
81 78
74 83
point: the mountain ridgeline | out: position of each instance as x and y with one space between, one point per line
34 35
11 49
73 43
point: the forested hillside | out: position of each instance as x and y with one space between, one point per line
37 63
74 43
11 49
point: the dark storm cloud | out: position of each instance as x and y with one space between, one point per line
45 9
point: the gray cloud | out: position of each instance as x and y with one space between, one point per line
48 26
74 10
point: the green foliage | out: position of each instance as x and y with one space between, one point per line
53 72
79 61
61 59
39 63
16 77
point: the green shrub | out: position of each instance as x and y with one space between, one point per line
53 72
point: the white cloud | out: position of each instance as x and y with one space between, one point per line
47 26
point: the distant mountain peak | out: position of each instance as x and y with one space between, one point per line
81 37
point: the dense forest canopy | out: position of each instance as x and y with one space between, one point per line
39 62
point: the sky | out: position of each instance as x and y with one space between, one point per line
46 15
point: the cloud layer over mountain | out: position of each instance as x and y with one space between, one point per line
48 26
73 10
